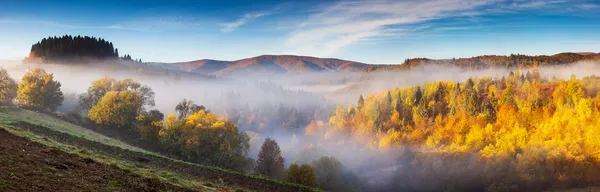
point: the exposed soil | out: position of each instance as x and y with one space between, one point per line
151 161
30 166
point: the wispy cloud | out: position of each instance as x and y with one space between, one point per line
526 4
159 23
463 28
152 23
64 25
457 28
588 6
231 26
345 23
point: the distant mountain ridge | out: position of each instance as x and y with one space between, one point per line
69 49
298 64
271 63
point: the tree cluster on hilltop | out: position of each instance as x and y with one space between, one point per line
72 49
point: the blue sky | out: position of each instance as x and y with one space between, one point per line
371 31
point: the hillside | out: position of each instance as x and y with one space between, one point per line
271 63
298 64
32 166
145 171
521 132
510 61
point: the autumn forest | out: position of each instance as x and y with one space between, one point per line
523 130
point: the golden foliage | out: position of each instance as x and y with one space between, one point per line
530 129
39 90
116 108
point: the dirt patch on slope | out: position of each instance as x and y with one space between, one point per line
30 166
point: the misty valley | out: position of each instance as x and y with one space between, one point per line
295 123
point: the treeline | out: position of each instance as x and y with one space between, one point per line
69 49
515 133
511 61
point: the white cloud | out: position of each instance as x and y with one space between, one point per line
534 4
344 23
227 27
65 26
348 22
157 23
588 6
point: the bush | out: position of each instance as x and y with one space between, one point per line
304 175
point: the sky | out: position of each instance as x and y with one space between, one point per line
369 31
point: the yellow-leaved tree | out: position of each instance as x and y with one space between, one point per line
104 85
39 90
8 87
116 108
202 137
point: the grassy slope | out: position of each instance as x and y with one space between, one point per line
10 115
83 142
31 166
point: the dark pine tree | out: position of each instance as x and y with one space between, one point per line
270 162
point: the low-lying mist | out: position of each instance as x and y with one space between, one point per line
309 96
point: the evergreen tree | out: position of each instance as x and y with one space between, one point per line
270 162
471 102
508 96
360 103
418 96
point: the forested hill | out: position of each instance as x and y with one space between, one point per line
271 64
511 61
72 49
299 64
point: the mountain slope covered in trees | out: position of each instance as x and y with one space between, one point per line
510 61
299 64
